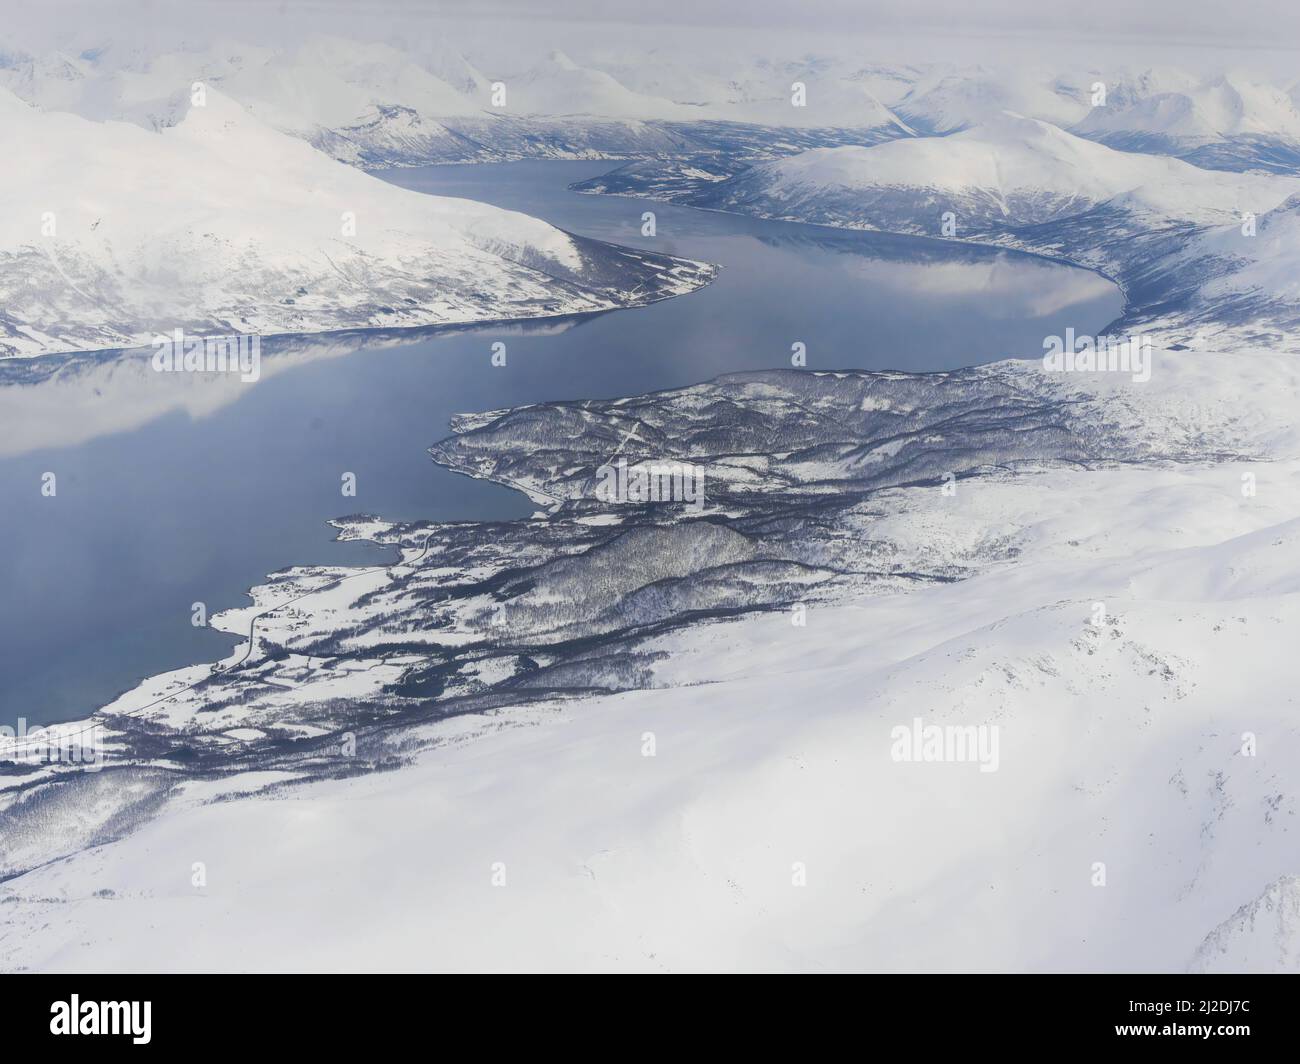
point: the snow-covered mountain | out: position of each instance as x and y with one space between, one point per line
1010 171
221 224
1226 122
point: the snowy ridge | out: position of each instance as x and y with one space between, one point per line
266 235
1011 171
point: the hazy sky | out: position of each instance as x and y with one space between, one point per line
1135 24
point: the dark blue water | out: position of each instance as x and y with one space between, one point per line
175 488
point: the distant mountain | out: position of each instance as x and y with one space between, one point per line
1226 123
558 86
1210 111
1011 171
377 105
54 81
946 100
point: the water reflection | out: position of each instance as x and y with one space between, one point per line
180 488
69 399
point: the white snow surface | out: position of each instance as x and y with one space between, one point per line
1119 744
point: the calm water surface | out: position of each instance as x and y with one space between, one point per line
174 489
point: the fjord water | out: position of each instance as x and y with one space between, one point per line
173 491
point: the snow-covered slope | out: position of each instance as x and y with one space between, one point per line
1115 748
754 837
1250 279
53 80
222 225
1263 935
363 103
377 104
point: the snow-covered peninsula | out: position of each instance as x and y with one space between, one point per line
221 225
